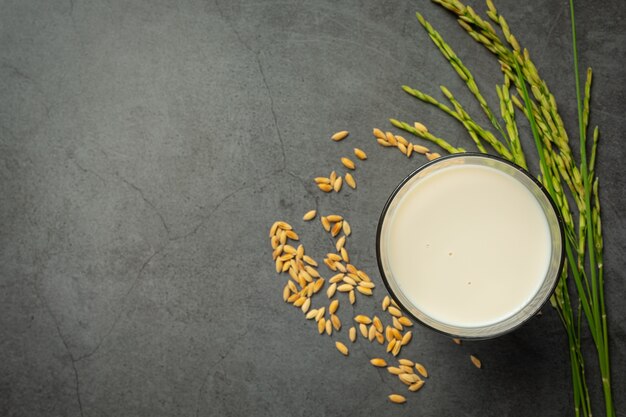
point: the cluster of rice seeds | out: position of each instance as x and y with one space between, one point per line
334 182
331 183
395 336
410 373
388 139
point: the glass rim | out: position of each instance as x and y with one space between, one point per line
557 273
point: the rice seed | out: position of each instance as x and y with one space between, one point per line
332 177
336 229
320 314
286 292
349 280
342 348
391 345
337 184
432 156
477 363
416 387
401 140
352 334
364 276
378 324
293 297
306 276
340 267
282 236
364 291
330 264
393 303
352 297
397 398
307 304
318 285
406 362
408 379
286 257
334 305
378 133
363 319
344 255
383 142
366 284
309 260
345 288
402 148
340 243
347 163
311 314
396 334
339 135
322 180
336 278
321 325
309 215
350 180
334 218
346 228
396 349
393 370
300 252
312 271
292 235
352 269
276 252
273 229
333 257
385 303
391 138
292 286
325 187
378 362
394 311
275 242
456 341
363 330
397 324
409 150
380 338
336 322
420 127
310 289
406 369
331 290
300 301
405 321
329 327
325 223
279 265
389 334
360 154
421 369
371 334
420 149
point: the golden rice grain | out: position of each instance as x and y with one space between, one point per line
273 229
331 290
339 135
371 334
307 304
456 341
329 327
322 180
433 155
409 150
345 288
334 305
300 301
344 255
309 260
396 349
325 187
406 362
420 149
332 177
416 387
378 324
352 334
333 257
364 291
405 321
282 236
352 269
394 311
347 163
380 338
275 242
279 265
336 322
292 235
349 280
320 314
336 229
363 319
286 292
397 324
406 369
385 303
340 243
309 215
300 252
378 362
321 325
360 154
378 133
394 370
477 363
336 278
396 334
391 138
337 184
391 345
363 276
421 369
293 297
318 285
366 284
408 379
312 271
402 148
401 140
311 314
342 348
310 290
389 334
284 225
325 223
352 297
397 398
363 330
420 127
350 180
346 228
340 267
330 264
383 142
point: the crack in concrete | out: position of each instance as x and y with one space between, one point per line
148 202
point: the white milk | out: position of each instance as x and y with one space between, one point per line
468 245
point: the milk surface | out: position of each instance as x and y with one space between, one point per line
468 245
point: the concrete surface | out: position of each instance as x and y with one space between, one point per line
146 148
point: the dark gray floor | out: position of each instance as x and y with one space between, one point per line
146 149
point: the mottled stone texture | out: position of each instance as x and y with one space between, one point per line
147 146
